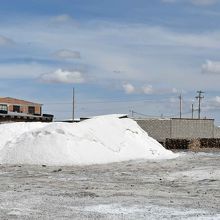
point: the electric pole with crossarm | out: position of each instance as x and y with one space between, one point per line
73 107
199 97
180 99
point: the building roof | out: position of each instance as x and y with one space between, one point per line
9 100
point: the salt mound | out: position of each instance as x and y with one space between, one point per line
103 139
9 132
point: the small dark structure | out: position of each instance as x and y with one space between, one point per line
191 144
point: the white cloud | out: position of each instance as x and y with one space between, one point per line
148 53
62 21
128 88
4 41
19 71
163 57
194 2
67 54
169 1
217 99
174 90
173 100
211 67
61 18
203 2
212 104
148 89
63 76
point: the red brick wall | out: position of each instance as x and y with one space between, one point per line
24 109
23 105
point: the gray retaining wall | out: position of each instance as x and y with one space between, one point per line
161 129
192 128
217 132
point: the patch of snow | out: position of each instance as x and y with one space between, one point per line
196 175
147 211
102 139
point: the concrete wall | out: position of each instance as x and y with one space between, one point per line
217 132
192 128
161 129
158 129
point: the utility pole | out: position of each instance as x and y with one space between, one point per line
192 111
180 98
199 97
132 113
73 116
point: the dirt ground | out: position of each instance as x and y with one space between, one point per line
187 187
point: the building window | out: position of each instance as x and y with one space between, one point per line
3 107
31 110
16 108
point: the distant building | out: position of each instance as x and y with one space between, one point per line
8 104
12 109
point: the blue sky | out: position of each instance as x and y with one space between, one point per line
120 55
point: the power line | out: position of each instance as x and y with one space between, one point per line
138 113
156 116
106 101
183 113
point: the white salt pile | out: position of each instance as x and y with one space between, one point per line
103 139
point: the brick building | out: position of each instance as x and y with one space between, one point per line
20 106
12 109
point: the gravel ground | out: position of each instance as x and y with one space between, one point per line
187 187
